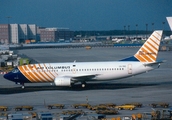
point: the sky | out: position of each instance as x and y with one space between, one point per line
88 14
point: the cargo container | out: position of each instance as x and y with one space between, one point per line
44 116
27 41
61 106
23 107
19 116
3 108
33 41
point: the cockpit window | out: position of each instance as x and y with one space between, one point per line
15 71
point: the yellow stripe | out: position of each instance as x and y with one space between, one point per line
156 38
140 58
51 73
43 75
154 55
36 73
146 56
146 46
154 41
31 74
23 71
51 79
152 46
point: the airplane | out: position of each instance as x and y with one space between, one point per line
169 20
67 74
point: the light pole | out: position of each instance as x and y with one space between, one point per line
152 26
163 25
128 29
136 30
124 29
8 17
146 29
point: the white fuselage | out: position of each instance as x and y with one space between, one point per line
101 70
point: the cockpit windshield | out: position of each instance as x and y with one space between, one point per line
15 70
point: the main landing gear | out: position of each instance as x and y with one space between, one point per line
83 84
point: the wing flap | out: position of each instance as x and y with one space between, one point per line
83 78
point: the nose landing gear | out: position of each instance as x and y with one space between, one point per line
21 84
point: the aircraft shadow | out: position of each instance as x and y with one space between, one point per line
90 86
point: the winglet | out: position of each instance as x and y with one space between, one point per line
149 51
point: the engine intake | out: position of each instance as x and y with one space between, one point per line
62 81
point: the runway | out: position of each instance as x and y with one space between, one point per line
154 86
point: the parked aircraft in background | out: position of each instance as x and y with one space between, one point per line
169 20
67 74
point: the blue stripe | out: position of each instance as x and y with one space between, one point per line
132 58
16 76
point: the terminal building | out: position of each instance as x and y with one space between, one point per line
27 33
17 33
56 34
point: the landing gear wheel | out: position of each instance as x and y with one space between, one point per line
84 84
22 85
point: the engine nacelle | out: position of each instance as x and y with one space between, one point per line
62 81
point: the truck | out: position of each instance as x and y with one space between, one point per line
107 112
135 104
162 104
86 105
72 112
110 105
3 108
125 107
61 106
23 107
98 107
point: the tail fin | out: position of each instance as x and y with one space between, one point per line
149 51
169 19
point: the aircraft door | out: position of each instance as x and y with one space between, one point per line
129 68
74 69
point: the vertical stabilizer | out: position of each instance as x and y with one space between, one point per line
169 19
149 51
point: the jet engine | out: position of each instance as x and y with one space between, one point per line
62 81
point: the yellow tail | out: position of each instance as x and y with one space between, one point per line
149 51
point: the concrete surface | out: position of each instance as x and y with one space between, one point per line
154 86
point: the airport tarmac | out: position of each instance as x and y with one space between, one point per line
147 88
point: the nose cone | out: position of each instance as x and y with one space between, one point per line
16 76
8 76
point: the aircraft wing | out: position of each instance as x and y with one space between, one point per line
83 78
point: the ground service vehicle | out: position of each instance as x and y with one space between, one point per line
33 114
3 108
23 107
165 105
125 107
110 105
61 106
135 104
72 112
81 105
107 112
98 107
137 116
